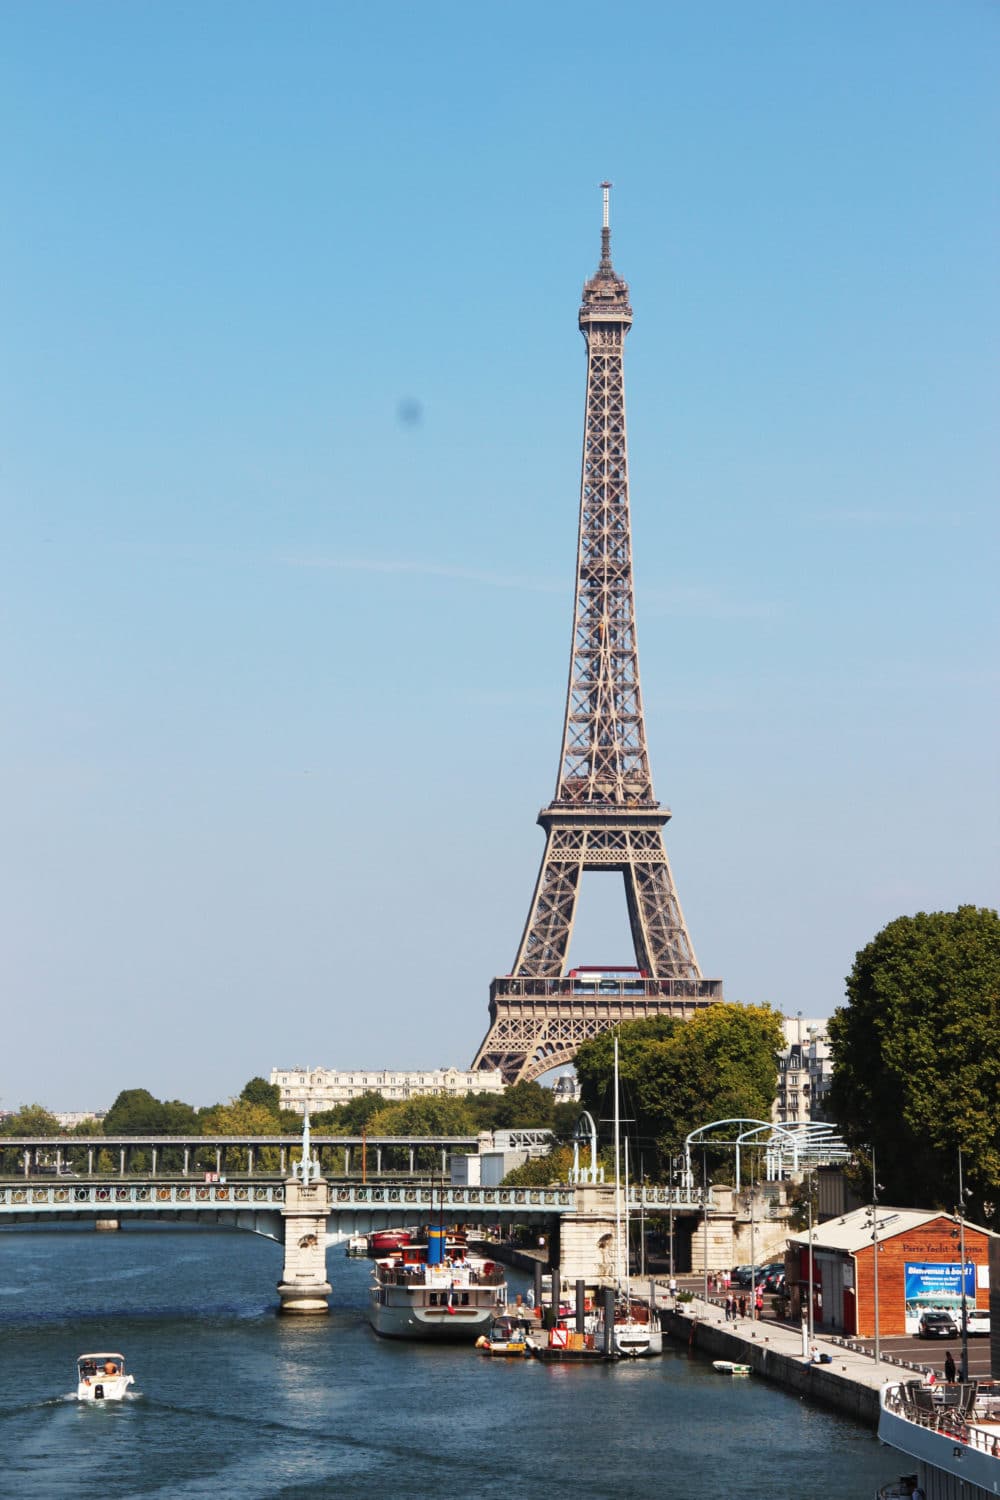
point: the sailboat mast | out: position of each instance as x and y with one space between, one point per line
618 1180
628 1239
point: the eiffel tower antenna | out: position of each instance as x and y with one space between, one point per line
604 815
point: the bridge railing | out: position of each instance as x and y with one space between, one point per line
435 1196
86 1195
118 1195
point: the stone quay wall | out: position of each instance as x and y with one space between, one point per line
823 1383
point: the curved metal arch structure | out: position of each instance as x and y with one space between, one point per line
788 1147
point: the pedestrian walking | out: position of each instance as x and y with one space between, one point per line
949 1368
729 1309
743 1307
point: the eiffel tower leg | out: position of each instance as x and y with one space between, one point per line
549 928
662 945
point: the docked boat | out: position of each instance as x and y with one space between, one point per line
950 1435
435 1290
505 1338
728 1367
560 1345
102 1377
357 1246
637 1335
385 1241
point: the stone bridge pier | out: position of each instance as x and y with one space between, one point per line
587 1238
303 1287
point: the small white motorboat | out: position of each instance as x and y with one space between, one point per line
102 1377
727 1367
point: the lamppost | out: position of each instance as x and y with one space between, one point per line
809 1315
874 1218
753 1250
704 1211
963 1371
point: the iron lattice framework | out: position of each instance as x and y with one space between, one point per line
604 815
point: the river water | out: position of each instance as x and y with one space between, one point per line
237 1402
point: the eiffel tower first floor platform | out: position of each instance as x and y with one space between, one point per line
538 1024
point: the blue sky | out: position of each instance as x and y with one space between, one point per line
291 419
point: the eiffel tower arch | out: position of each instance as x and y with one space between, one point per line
604 815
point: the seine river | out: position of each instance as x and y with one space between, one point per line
237 1402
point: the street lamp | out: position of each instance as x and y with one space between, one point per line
809 1188
753 1251
963 1371
874 1218
704 1211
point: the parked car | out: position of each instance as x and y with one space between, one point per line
740 1275
977 1322
937 1325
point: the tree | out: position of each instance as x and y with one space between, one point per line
134 1112
259 1091
426 1114
678 1075
355 1114
239 1117
522 1105
542 1171
31 1119
916 1056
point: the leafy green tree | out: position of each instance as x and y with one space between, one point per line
427 1114
356 1114
31 1119
565 1115
678 1075
543 1171
916 1055
241 1117
134 1112
522 1105
259 1091
178 1118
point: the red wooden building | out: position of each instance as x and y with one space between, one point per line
919 1269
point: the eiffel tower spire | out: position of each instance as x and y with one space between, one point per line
604 815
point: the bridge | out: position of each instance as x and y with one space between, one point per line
306 1217
336 1154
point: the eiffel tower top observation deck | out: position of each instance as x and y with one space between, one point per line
604 815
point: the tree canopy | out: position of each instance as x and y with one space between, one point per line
259 1091
427 1114
136 1112
31 1119
677 1075
916 1055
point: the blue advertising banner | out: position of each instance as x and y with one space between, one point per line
937 1286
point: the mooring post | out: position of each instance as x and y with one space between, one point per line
608 1297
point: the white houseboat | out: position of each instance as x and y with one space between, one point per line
435 1291
949 1433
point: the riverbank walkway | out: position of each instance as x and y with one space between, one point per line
849 1379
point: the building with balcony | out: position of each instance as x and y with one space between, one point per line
325 1088
805 1067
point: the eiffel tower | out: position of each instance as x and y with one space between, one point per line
604 815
